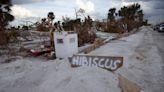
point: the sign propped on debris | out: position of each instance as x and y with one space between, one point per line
106 62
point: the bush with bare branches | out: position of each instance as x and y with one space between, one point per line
12 35
85 36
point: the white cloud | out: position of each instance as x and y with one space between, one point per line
88 6
21 12
28 1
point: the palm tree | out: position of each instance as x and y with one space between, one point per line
129 15
5 16
88 22
50 17
134 10
111 14
43 20
140 15
130 12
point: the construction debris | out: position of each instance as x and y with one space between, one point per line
40 51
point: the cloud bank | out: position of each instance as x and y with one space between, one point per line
28 1
88 6
153 9
21 12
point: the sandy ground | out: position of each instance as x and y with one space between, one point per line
142 62
142 65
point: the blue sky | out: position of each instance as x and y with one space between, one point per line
153 9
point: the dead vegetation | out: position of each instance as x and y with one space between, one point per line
131 17
84 36
42 28
4 39
123 26
83 29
